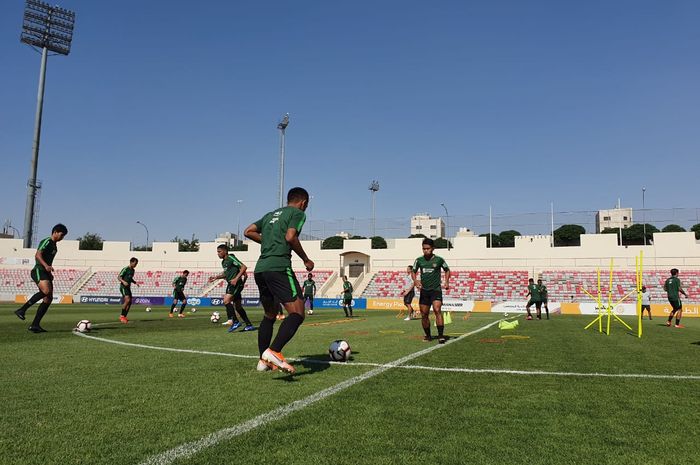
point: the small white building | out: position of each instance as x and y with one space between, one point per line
423 223
613 218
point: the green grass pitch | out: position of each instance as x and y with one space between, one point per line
68 399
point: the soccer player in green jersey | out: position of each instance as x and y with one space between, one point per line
126 278
544 296
534 293
347 297
235 275
278 233
42 275
674 289
179 294
309 287
430 288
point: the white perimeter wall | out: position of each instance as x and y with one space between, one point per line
531 253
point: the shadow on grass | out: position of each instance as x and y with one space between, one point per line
696 343
313 364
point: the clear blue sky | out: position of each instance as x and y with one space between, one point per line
166 111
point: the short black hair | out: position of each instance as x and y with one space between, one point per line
133 260
296 194
222 246
429 242
60 228
531 280
674 271
186 272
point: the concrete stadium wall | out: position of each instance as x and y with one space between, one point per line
531 253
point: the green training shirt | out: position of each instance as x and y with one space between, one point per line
127 274
179 283
543 292
430 271
47 248
309 287
672 286
276 253
347 289
534 292
231 267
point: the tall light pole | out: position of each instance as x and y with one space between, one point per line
282 126
374 188
447 227
144 227
238 232
51 29
644 217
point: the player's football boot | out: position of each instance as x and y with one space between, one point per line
37 329
679 326
170 315
20 314
668 323
181 315
123 319
234 326
266 366
249 328
442 339
278 360
427 338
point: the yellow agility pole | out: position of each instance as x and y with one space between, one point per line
599 306
608 309
638 269
610 297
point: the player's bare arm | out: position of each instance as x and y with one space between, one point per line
252 233
292 237
40 259
241 272
447 280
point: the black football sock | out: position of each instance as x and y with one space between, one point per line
40 312
244 316
32 300
441 329
345 309
172 307
678 321
125 311
231 313
287 330
265 333
182 308
427 331
350 310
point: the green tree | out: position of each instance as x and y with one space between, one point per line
634 235
357 237
142 248
673 228
507 238
696 229
492 240
240 248
333 242
378 242
569 234
442 243
417 236
90 241
184 245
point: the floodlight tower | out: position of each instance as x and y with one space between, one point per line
282 126
51 29
374 188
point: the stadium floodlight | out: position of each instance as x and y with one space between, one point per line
447 233
374 187
51 29
644 217
144 227
282 126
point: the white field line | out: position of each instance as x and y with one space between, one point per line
192 448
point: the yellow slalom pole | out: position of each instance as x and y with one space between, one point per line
610 295
640 276
600 304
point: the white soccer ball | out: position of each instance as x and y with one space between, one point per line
309 312
339 351
148 309
215 317
193 310
505 314
83 326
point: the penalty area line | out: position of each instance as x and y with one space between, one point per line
192 448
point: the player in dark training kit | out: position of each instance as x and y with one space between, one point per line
534 292
309 287
179 294
430 288
347 297
235 275
278 233
126 278
42 275
674 289
544 296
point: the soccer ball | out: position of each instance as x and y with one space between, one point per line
505 314
339 351
215 317
83 326
193 310
309 312
148 309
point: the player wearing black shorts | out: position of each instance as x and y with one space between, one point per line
544 296
42 275
179 294
646 301
674 289
126 279
347 297
534 293
409 293
278 233
430 288
309 287
235 275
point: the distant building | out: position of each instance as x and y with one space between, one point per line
614 218
428 226
465 232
